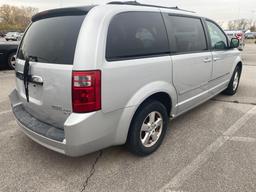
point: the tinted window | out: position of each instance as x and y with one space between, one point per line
186 34
218 38
52 40
136 34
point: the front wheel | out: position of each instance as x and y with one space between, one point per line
234 82
148 128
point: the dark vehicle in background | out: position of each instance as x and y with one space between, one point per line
8 54
2 34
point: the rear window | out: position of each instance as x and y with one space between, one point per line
135 35
52 40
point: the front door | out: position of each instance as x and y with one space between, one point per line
222 56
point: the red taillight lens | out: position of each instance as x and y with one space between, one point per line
86 91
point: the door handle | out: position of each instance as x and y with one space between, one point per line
207 60
216 59
37 80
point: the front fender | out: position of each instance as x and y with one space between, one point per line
237 60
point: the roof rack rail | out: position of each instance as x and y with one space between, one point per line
148 5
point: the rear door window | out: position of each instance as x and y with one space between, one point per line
52 40
186 34
136 35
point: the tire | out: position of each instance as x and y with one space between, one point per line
234 82
11 60
141 128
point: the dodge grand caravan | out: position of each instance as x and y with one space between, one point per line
92 77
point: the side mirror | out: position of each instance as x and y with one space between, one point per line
234 43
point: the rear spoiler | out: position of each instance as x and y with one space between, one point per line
62 12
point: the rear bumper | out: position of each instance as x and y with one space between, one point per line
44 141
34 125
82 133
38 131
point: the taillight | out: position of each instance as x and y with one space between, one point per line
86 91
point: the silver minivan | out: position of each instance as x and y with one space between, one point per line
92 77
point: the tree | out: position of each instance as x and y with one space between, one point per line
253 26
15 18
231 25
240 24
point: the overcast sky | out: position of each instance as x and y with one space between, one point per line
220 10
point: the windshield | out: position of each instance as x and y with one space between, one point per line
52 40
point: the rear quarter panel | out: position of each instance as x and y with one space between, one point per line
128 83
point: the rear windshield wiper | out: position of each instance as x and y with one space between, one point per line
26 77
37 59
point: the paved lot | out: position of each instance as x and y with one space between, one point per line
211 148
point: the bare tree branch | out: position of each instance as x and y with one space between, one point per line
16 18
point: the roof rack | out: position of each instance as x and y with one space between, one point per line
148 5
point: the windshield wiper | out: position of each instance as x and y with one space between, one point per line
26 77
38 59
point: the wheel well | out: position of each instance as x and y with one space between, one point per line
7 55
240 66
164 98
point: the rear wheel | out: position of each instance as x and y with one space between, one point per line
148 128
12 60
234 82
